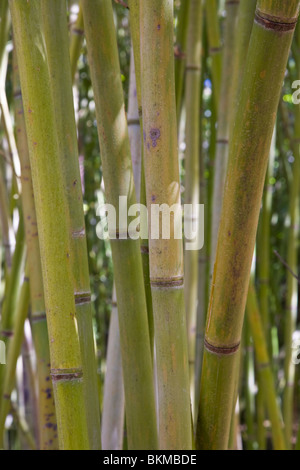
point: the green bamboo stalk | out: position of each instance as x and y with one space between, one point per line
134 129
77 35
225 113
166 257
12 287
180 52
192 170
263 269
245 18
52 218
13 352
292 285
265 369
215 47
118 179
5 24
113 399
29 383
134 6
54 14
5 223
23 427
47 439
249 387
264 248
248 156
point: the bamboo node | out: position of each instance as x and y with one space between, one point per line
167 282
59 375
38 316
273 23
7 333
82 298
221 350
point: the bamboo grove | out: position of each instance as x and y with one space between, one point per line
125 337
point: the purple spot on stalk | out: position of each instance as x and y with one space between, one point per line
154 136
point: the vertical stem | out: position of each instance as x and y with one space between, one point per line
180 52
192 170
264 368
292 284
215 47
54 14
113 400
225 111
52 219
248 157
47 434
166 255
118 179
13 352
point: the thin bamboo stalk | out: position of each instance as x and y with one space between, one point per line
54 14
166 255
77 35
113 399
266 61
134 129
47 434
249 388
225 113
12 287
134 6
180 52
13 352
215 47
52 218
192 170
292 285
245 18
118 179
265 369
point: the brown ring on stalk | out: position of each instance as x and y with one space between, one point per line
171 282
82 298
66 374
221 351
271 23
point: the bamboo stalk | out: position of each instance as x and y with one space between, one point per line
134 129
47 439
166 257
181 52
52 218
215 47
192 170
113 399
12 287
265 369
292 285
77 35
266 61
118 179
249 387
245 18
54 14
134 6
225 113
13 352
